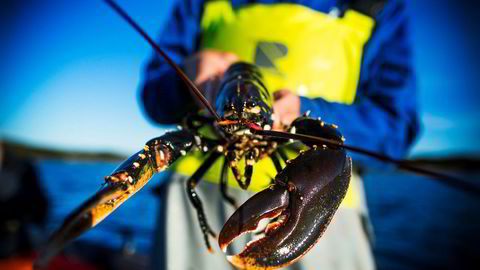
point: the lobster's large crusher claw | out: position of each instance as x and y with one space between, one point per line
303 199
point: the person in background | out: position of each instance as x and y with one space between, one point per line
348 62
23 205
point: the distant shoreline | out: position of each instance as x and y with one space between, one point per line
461 163
34 152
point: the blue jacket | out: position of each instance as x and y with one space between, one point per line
383 117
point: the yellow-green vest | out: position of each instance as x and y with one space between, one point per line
308 52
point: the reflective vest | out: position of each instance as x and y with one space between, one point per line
308 52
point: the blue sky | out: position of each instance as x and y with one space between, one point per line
71 72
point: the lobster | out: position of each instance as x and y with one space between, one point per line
300 201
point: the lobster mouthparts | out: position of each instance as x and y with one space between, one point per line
306 195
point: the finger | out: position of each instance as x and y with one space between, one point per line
277 125
281 106
230 57
288 119
278 122
279 94
206 69
226 63
214 66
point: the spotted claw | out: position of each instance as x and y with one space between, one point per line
131 176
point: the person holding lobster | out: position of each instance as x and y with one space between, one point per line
346 62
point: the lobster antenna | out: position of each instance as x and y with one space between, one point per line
152 43
401 164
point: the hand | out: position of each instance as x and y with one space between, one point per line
286 108
206 69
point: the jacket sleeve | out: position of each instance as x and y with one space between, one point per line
166 99
383 117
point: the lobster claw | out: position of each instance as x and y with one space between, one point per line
85 217
269 203
306 195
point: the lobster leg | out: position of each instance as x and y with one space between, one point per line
224 185
245 179
126 180
305 196
195 199
250 160
276 162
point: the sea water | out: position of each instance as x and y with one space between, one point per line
418 222
68 184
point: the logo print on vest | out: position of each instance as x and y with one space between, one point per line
267 52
